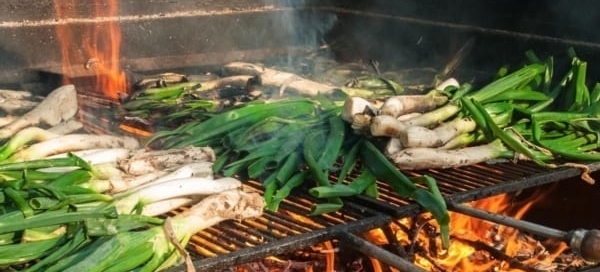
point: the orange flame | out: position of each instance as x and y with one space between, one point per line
329 256
95 46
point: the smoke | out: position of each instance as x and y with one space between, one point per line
573 19
305 25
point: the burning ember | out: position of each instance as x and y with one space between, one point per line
478 245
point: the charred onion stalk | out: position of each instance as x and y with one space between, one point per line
404 104
16 103
149 161
122 169
66 127
418 158
290 82
58 106
280 79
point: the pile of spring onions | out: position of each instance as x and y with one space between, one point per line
529 114
83 202
287 142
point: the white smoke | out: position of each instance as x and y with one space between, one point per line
307 25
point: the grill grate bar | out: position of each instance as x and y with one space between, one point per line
247 229
536 177
206 247
218 241
231 236
285 219
288 244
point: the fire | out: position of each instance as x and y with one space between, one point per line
92 45
469 235
330 255
325 248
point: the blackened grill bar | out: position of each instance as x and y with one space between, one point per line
189 35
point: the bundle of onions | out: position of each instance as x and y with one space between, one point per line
58 210
526 114
76 201
161 246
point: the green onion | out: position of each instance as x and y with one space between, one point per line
385 171
123 251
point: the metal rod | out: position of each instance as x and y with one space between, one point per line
585 242
381 254
509 221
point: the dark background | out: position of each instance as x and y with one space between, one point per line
569 204
403 33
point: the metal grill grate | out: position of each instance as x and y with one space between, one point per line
232 243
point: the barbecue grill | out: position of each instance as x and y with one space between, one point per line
467 39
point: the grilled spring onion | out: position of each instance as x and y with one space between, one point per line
61 213
403 104
264 140
550 121
23 137
59 105
287 143
149 161
275 142
175 103
72 142
280 79
285 81
511 87
419 158
418 136
129 250
36 134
